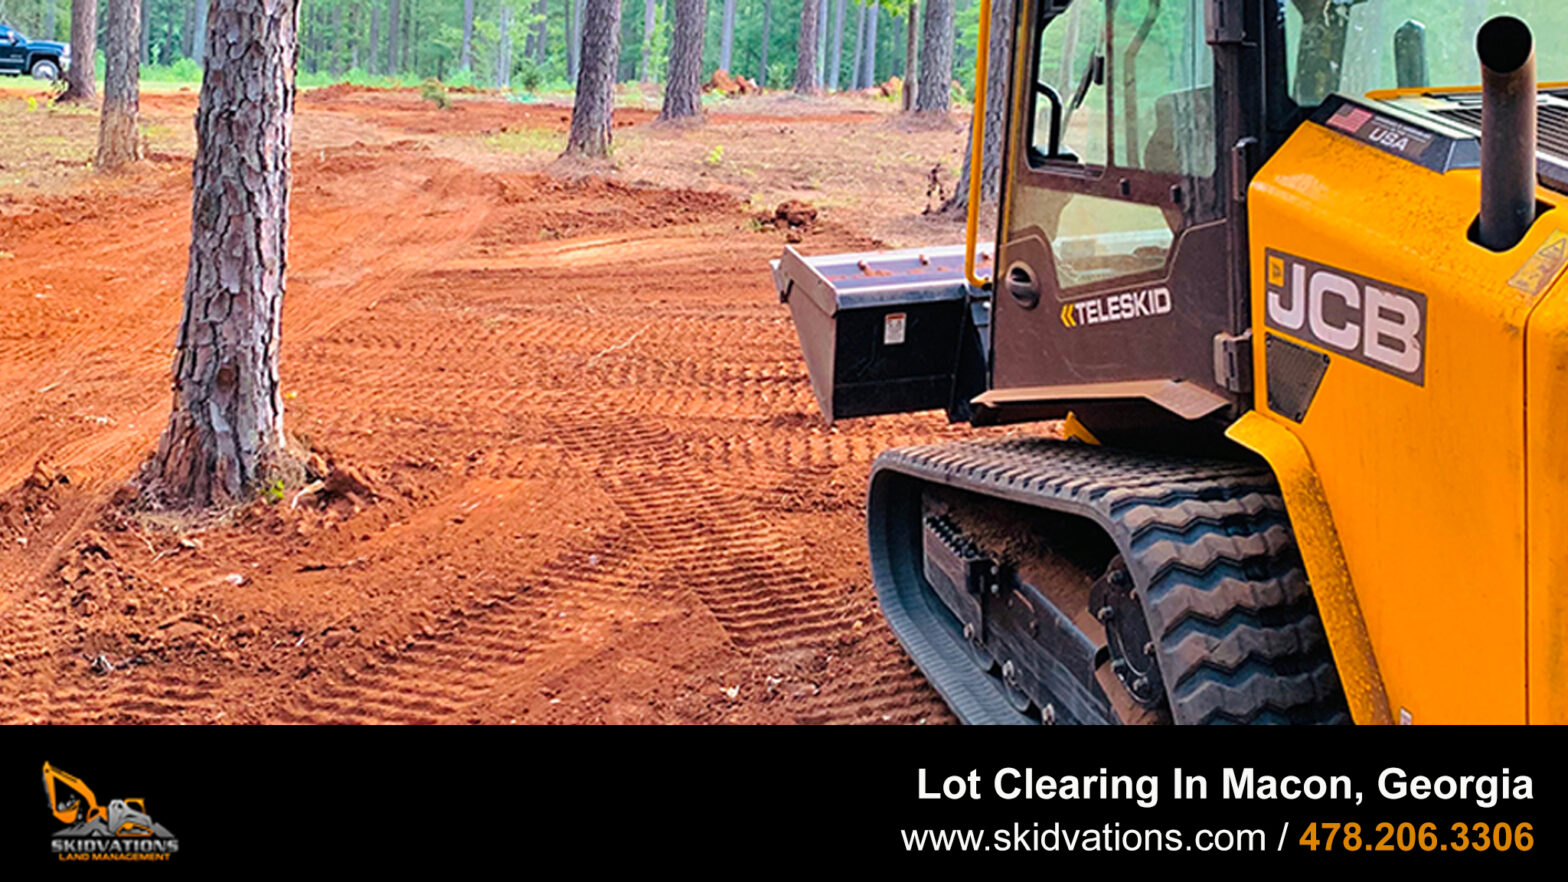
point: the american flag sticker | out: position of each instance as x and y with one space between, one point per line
1350 118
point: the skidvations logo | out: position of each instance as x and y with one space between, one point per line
119 831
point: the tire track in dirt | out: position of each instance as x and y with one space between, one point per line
470 661
465 335
757 583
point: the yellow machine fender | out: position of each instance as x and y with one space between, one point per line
1313 525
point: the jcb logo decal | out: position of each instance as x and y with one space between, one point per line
1378 324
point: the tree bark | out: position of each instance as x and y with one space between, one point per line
468 35
590 132
199 35
767 25
727 37
49 19
936 59
806 49
650 18
995 115
225 434
868 78
911 55
80 83
393 57
683 82
836 56
119 140
860 47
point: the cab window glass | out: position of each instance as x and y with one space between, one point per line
1069 51
1163 74
1136 95
1348 46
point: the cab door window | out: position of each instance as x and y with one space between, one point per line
1134 81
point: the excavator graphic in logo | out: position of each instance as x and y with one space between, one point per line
73 802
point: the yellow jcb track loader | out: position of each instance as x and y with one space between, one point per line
1303 313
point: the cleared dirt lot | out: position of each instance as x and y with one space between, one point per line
599 487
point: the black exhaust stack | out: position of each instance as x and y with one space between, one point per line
1508 132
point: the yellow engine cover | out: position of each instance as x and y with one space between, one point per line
1439 478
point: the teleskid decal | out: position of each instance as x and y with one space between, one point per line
1380 325
1117 307
119 831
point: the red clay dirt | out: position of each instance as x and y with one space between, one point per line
595 484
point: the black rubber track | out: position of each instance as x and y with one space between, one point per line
1208 544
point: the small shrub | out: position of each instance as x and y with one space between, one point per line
526 75
715 156
431 90
273 491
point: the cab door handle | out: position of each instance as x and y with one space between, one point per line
1022 285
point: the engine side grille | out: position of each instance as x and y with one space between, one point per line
1552 116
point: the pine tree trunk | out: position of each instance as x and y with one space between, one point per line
683 84
188 30
572 43
371 67
727 37
144 22
541 46
49 19
860 47
822 44
199 35
468 35
767 25
80 82
936 59
503 50
406 41
911 55
119 141
650 17
995 115
335 43
225 434
393 11
806 49
590 132
868 77
836 56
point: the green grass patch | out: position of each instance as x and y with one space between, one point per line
527 141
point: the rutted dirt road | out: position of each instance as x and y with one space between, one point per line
598 486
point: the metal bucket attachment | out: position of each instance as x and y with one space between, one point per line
883 331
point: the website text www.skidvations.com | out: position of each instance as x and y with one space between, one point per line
1113 837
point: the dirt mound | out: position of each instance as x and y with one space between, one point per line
794 217
548 208
338 91
26 509
731 85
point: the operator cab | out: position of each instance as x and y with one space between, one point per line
1134 128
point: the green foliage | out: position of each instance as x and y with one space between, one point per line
273 491
715 156
431 90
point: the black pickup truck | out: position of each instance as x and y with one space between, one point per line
42 59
